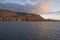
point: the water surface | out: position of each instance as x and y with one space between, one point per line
29 30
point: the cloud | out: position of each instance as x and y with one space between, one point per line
34 6
41 7
44 7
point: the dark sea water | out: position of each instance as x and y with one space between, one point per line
29 30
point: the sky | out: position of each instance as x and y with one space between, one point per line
48 9
34 6
55 5
54 10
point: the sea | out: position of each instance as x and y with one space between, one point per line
27 30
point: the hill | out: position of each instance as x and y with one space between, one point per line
6 15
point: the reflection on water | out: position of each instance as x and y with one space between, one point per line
29 31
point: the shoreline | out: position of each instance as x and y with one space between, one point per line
32 21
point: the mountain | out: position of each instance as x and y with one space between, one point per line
7 15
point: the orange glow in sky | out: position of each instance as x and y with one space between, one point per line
44 7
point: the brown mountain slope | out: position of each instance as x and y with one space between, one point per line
7 13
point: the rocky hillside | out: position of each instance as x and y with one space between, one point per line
6 15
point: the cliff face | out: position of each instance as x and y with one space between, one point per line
6 15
